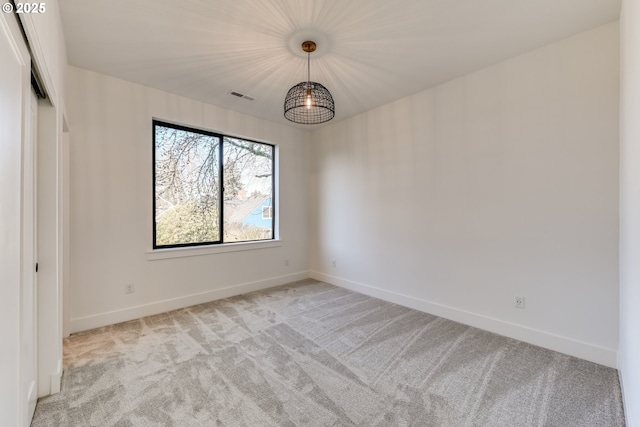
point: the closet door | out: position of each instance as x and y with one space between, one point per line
29 334
15 99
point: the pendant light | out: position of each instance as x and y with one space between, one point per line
309 103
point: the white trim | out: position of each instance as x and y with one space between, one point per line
117 316
156 254
37 52
625 404
572 347
32 389
32 400
56 379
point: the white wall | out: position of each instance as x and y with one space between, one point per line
629 354
501 183
111 212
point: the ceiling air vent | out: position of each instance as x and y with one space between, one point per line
241 95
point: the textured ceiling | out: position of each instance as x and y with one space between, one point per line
370 52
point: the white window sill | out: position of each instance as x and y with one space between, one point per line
158 254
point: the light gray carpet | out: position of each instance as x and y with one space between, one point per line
311 354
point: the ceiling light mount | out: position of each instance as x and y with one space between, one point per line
309 46
309 103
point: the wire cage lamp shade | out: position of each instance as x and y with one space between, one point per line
309 103
320 110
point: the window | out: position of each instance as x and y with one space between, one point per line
210 188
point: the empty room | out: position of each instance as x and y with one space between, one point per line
320 213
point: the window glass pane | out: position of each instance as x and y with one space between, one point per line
187 187
248 190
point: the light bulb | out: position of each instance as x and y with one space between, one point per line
308 102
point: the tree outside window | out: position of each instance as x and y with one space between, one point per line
210 188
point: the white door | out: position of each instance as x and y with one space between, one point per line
28 356
15 98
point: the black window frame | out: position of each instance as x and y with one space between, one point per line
221 137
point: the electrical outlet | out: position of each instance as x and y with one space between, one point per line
286 263
333 263
519 302
129 288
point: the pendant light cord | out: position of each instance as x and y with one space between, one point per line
309 70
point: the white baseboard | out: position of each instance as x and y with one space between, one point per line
582 350
112 317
